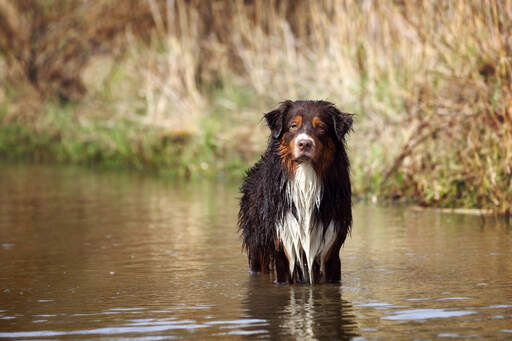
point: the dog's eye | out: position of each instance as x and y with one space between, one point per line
293 126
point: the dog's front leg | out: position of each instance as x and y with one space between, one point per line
282 267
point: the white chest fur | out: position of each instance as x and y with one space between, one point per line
302 233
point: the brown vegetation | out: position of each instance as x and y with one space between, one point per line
430 81
48 43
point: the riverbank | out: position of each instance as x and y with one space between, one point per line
217 150
62 135
181 90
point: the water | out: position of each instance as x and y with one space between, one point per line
103 255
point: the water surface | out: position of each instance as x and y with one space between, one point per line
104 255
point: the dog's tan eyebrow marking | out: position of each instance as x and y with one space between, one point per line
317 122
297 120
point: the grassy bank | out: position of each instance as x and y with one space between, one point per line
63 135
183 90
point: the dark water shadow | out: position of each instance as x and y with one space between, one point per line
301 312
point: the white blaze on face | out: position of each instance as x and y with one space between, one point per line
301 233
303 137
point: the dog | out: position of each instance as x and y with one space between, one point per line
295 210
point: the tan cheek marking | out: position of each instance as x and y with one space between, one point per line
286 154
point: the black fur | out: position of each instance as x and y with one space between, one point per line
264 201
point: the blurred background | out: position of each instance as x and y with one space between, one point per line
179 87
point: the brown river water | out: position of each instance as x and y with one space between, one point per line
121 256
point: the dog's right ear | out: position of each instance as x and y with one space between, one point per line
275 118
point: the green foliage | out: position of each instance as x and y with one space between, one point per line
65 137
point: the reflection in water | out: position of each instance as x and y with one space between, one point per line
301 312
108 255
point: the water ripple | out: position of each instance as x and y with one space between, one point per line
423 314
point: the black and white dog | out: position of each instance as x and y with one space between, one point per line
295 210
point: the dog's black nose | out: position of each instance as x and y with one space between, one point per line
304 145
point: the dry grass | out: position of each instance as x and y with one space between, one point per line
430 82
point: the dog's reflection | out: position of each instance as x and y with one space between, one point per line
301 312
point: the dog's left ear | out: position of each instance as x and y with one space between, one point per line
275 118
342 121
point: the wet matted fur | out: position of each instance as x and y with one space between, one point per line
295 210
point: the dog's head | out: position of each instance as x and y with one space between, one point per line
308 131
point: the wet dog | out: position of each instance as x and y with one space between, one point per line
295 210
